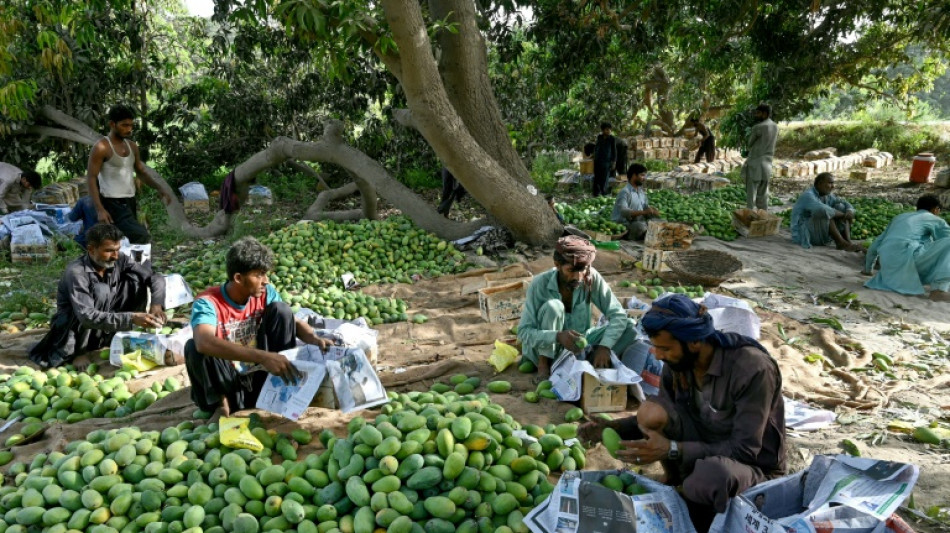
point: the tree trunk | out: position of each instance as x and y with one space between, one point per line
514 202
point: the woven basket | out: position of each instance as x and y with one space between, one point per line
705 267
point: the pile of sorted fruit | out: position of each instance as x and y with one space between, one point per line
312 257
653 288
592 214
430 462
710 210
70 396
18 317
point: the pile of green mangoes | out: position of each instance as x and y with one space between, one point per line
625 483
430 463
70 396
311 257
710 210
592 214
16 318
653 288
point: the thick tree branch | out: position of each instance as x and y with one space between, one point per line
72 123
46 131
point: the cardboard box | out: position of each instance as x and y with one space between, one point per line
655 260
493 278
861 175
668 235
504 302
755 222
599 398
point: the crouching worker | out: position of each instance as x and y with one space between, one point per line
100 293
718 424
238 326
557 310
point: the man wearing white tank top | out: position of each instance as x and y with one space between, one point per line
113 163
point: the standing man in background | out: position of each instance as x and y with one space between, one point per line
16 187
757 169
605 158
112 163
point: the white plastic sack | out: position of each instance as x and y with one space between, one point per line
194 191
177 291
733 315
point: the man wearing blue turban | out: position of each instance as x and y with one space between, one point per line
718 424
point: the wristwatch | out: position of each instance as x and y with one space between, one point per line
674 454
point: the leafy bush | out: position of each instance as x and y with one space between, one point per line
419 179
657 165
901 139
545 165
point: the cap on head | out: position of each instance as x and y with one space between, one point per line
574 250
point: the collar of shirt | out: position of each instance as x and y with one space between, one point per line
715 366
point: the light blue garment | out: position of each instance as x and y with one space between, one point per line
630 198
914 251
544 316
812 215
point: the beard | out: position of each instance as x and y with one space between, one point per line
687 362
103 264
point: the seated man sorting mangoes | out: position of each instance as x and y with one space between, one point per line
557 312
100 293
242 321
718 424
820 217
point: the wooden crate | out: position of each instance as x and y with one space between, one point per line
668 235
597 397
34 253
504 302
863 174
755 222
587 166
655 260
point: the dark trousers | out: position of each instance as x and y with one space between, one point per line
708 147
601 173
124 213
712 481
452 191
213 379
68 338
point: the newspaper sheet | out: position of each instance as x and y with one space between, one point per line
355 381
836 494
733 315
568 371
288 399
579 503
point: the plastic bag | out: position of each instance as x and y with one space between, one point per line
234 433
259 195
502 356
194 191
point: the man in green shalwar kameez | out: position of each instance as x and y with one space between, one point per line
557 311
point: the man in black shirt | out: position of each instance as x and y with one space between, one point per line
99 294
605 158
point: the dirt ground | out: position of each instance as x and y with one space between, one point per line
780 281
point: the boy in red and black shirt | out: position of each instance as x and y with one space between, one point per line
238 326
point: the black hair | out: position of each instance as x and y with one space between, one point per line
765 108
119 112
928 202
33 179
589 149
548 197
247 254
635 169
824 176
101 233
605 125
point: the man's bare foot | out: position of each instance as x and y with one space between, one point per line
850 247
544 367
82 363
940 296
